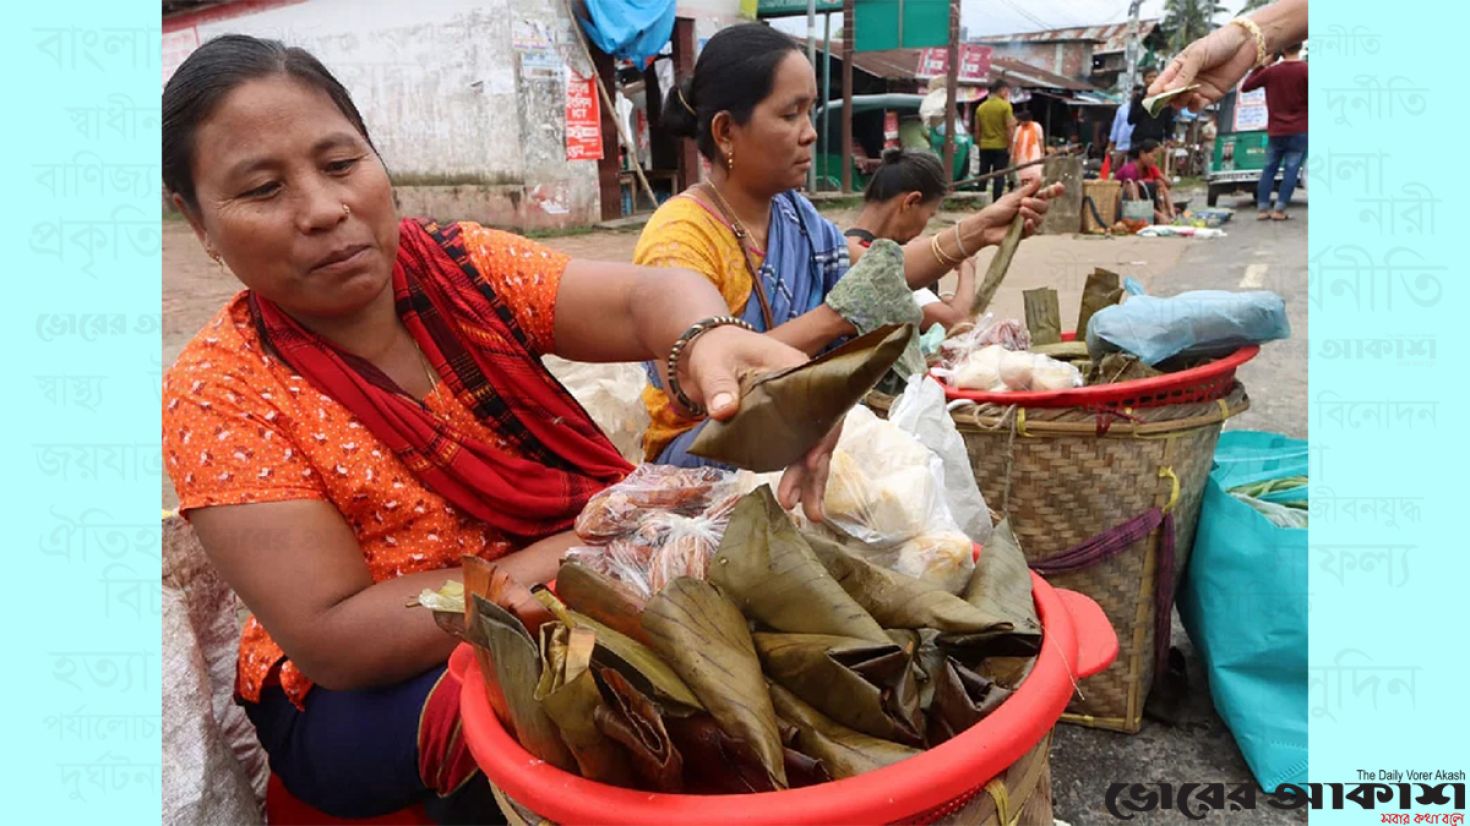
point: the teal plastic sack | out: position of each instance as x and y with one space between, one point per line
1243 600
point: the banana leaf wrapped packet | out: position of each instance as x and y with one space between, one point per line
784 414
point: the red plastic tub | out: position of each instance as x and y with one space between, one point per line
1077 642
1205 383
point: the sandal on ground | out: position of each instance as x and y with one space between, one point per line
1278 215
1263 215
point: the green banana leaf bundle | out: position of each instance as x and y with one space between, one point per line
796 662
785 414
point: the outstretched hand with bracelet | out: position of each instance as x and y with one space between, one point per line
708 366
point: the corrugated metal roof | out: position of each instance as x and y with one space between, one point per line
903 64
1109 37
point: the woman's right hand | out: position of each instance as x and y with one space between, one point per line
1216 62
1031 200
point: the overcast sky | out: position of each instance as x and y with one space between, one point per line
987 17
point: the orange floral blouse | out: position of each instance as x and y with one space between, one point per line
239 426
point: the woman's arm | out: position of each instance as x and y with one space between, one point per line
921 267
956 308
297 566
622 312
811 332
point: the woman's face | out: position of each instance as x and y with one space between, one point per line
773 149
294 199
912 217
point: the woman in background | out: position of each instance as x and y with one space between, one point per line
779 264
902 197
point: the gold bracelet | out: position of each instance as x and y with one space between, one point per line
1262 58
944 260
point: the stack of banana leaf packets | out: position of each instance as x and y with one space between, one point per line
794 662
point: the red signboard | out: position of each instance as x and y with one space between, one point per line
890 130
974 63
584 119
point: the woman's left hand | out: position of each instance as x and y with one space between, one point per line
711 373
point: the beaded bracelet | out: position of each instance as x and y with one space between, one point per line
1262 58
681 344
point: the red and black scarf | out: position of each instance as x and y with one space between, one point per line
558 456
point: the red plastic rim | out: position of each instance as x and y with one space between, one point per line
1197 384
1075 642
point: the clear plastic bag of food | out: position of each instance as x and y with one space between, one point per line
619 510
1008 333
645 546
886 490
689 544
622 560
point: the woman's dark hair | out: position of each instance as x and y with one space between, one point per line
904 171
1025 116
735 72
1146 145
213 71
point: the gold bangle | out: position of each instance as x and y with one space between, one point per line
1255 32
944 260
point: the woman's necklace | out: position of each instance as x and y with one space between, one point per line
428 373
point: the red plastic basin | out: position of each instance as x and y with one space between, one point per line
1077 642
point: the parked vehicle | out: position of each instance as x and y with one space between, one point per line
1239 153
869 121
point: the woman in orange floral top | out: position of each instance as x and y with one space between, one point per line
372 407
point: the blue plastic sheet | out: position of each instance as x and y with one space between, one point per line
629 29
1199 323
1243 600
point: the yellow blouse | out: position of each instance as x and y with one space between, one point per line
687 234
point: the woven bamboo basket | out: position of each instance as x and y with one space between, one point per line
1020 796
1063 476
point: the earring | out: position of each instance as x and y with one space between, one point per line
346 210
729 160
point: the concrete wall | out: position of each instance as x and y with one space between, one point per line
464 98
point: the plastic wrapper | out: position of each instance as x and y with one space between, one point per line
966 339
887 491
619 510
659 524
1282 516
994 369
612 395
1198 323
921 410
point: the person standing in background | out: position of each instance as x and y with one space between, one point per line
1120 138
1286 128
995 121
1158 127
1028 145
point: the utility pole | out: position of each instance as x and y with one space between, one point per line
1130 76
811 58
951 87
848 30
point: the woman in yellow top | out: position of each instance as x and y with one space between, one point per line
748 107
